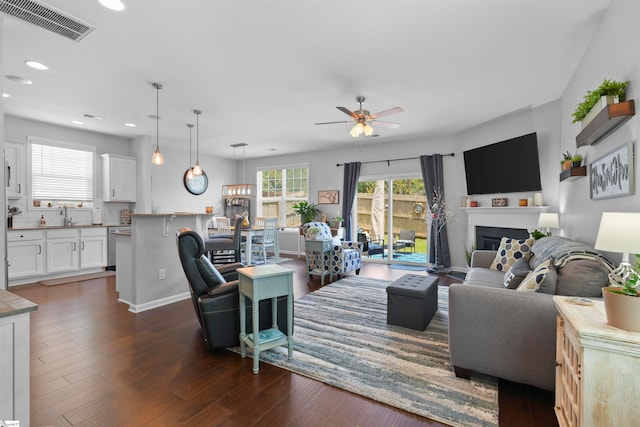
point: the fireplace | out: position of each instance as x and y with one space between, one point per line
489 237
509 217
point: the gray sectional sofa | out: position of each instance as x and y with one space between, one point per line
509 333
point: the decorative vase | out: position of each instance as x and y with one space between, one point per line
623 311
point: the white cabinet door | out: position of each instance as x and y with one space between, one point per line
93 251
118 178
25 250
62 254
15 167
25 258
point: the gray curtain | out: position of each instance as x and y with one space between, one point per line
349 190
434 179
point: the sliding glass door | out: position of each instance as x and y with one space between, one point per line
391 219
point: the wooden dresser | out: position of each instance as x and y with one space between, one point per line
597 368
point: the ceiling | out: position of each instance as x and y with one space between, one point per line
263 72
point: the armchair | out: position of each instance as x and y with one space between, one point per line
215 296
346 256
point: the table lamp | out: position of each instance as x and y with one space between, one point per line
549 220
619 232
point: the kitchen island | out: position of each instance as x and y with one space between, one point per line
149 273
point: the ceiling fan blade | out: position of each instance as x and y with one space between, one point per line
348 112
388 112
330 123
384 124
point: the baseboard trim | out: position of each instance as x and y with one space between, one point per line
157 303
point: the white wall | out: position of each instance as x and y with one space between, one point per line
613 54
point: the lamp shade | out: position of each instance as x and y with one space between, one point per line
619 232
549 220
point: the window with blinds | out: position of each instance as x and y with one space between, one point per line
61 175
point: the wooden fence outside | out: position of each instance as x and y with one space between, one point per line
404 213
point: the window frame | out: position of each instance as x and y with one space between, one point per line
62 144
282 200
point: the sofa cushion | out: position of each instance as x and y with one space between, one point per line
582 278
509 252
516 273
210 275
543 279
484 276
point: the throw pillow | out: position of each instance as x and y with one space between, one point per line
543 279
510 251
516 273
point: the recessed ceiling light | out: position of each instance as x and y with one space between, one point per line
18 79
131 125
77 122
6 95
37 65
116 5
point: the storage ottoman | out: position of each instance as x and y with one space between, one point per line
412 300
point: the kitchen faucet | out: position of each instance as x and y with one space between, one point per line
68 221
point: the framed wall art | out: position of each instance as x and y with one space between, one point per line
612 174
330 197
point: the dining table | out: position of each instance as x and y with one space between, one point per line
249 233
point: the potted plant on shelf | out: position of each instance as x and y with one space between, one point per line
336 222
566 160
609 92
576 161
622 302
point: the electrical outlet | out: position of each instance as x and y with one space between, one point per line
162 274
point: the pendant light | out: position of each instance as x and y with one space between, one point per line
197 170
242 190
190 170
157 158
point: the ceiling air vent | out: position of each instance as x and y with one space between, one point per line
47 17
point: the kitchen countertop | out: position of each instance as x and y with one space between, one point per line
53 227
11 304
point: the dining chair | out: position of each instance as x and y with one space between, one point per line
268 239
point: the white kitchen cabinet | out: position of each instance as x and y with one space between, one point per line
15 155
70 249
63 252
118 178
25 253
93 247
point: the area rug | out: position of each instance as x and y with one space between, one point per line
341 338
71 279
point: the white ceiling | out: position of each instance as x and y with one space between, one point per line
263 72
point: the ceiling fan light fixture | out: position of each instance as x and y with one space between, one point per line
368 130
357 130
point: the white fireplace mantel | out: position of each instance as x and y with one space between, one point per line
507 217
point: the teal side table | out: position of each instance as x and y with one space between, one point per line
258 283
316 265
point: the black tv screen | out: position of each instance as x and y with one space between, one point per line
509 166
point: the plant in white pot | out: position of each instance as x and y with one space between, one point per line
620 232
312 233
609 92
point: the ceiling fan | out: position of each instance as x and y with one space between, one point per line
363 119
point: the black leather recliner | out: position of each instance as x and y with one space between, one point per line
215 296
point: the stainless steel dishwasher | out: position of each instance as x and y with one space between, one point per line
111 244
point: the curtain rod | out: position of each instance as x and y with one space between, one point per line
388 162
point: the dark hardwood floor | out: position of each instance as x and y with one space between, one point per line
93 363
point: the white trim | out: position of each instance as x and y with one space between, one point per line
156 303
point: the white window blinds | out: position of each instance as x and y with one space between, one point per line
61 173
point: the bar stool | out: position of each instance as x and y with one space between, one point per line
224 249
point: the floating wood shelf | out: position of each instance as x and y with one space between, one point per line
607 120
572 174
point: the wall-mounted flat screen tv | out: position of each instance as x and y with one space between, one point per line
510 166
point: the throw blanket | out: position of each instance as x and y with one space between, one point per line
564 250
